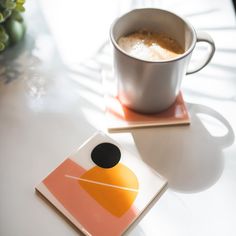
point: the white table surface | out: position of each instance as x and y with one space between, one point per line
51 101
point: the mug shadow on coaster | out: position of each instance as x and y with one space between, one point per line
189 157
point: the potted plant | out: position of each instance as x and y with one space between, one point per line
12 27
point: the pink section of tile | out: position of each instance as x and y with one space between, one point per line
95 219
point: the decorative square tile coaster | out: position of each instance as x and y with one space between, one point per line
121 118
102 188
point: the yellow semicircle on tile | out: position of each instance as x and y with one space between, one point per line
115 189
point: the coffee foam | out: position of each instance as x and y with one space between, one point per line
149 45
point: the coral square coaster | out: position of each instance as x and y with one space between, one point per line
102 188
121 118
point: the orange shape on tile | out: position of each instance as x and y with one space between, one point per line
115 189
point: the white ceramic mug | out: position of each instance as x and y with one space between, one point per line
152 86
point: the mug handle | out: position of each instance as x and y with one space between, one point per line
203 37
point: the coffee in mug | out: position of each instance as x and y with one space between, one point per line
152 46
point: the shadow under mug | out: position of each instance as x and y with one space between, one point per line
152 86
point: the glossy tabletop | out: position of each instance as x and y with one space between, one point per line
51 101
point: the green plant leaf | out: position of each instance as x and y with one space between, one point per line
15 29
8 4
20 7
16 15
4 37
20 1
7 13
2 46
1 18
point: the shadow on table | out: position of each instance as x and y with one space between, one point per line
12 60
188 156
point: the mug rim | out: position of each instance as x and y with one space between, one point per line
186 53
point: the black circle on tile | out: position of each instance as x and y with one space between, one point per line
106 155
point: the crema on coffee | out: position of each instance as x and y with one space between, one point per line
151 46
